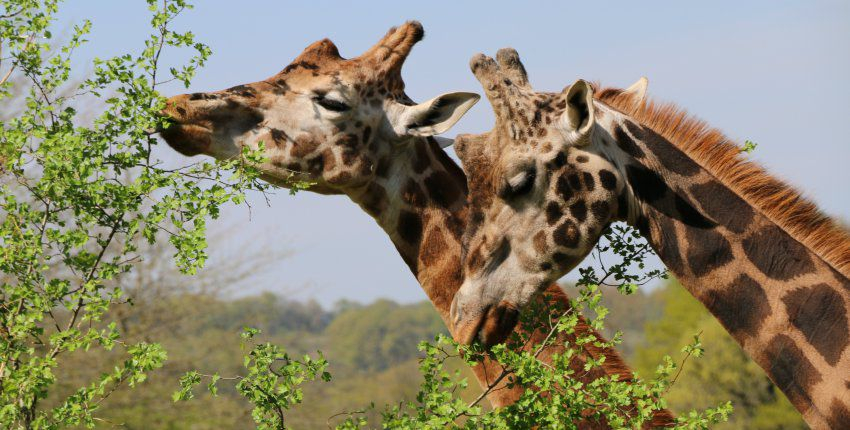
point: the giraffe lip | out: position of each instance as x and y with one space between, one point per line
187 138
174 123
466 332
499 322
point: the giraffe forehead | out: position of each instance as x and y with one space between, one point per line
355 74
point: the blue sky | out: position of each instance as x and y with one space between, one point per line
774 72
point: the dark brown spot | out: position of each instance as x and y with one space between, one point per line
328 160
442 189
412 194
553 213
560 160
349 140
622 206
383 167
791 371
664 231
475 260
647 185
839 415
279 136
607 179
349 157
741 306
242 91
303 145
589 183
724 206
582 159
202 96
367 133
625 142
316 165
575 181
409 227
707 250
601 210
567 234
563 187
560 259
776 254
301 64
375 199
671 157
689 215
422 161
819 313
342 177
579 210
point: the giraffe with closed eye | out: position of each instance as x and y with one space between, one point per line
348 126
558 168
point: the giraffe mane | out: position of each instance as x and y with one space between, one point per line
722 158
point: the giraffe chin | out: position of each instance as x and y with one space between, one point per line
187 139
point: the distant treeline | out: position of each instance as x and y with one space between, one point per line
373 356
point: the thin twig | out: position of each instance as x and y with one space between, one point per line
681 366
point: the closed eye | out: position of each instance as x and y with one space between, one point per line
518 185
331 104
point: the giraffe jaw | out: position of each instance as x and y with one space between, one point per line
188 139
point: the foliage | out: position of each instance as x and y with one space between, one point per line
272 383
749 146
554 397
78 200
200 331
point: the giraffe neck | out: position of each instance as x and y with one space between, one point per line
420 201
784 304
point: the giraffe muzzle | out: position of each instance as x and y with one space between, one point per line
490 324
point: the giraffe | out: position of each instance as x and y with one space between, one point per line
558 168
348 126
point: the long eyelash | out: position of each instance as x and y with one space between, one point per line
332 105
526 186
508 192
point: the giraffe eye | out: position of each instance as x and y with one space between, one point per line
331 104
518 185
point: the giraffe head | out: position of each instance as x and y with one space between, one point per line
323 118
541 191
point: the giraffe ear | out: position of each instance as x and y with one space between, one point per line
578 117
638 89
434 116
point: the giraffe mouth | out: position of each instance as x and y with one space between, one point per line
493 326
499 323
187 138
